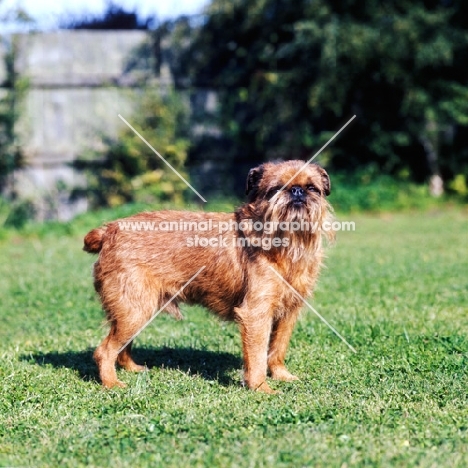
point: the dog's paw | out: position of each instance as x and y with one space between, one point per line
265 388
113 384
283 374
132 367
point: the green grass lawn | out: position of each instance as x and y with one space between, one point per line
396 289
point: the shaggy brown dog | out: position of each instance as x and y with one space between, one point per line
239 264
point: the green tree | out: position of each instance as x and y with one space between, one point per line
10 155
288 74
11 90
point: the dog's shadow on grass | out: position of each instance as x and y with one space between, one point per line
210 365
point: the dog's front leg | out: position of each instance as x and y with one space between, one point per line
255 327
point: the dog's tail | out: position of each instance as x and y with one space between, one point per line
93 240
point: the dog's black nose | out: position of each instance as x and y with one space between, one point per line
297 192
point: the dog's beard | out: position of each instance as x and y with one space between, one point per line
309 213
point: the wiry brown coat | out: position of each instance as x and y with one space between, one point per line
139 271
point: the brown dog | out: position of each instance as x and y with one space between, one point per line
239 263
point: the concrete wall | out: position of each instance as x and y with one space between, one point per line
78 83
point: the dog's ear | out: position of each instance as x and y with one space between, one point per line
253 178
325 180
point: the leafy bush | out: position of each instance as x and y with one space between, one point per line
15 214
367 192
11 94
128 170
459 185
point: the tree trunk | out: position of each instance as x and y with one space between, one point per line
436 183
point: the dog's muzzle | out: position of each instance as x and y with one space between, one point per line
298 195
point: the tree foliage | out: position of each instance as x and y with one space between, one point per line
115 17
11 91
10 155
289 74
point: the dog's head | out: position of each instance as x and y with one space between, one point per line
290 189
290 192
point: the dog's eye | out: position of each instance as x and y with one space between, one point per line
272 192
313 188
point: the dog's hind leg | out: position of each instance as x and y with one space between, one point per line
126 361
130 299
116 347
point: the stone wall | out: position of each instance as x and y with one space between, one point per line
78 83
